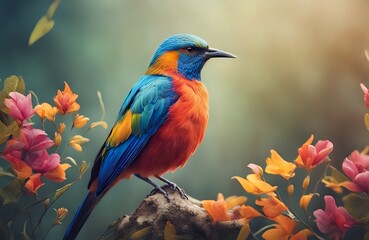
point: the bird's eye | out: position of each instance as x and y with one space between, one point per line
189 49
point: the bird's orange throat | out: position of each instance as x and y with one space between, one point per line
165 64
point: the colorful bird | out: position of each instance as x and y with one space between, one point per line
160 123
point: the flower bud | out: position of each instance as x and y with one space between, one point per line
58 139
61 128
60 215
306 182
290 189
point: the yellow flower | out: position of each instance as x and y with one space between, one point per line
278 166
60 215
77 141
272 206
305 200
65 100
45 110
332 183
221 209
80 121
255 185
286 228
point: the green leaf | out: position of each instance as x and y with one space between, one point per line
82 169
11 192
43 26
14 84
52 9
59 192
24 233
102 106
14 128
336 174
5 173
3 96
357 206
4 133
72 161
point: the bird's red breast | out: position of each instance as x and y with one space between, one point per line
180 134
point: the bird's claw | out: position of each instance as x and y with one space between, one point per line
159 190
175 187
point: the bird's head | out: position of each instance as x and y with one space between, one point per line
185 54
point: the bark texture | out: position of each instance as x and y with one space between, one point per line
189 219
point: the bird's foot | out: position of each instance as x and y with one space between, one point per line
158 189
175 187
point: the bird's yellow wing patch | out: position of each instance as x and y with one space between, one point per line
121 130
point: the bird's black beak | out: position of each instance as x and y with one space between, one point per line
215 53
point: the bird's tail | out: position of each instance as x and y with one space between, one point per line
81 216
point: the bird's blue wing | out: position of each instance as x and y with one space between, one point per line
141 115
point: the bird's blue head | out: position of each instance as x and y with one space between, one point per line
185 54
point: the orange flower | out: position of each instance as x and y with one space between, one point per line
286 228
77 141
80 121
255 185
248 213
221 209
57 174
278 166
65 100
298 160
311 156
45 110
272 206
34 183
21 168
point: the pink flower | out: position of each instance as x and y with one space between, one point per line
311 156
360 160
29 140
41 161
20 106
358 176
366 94
333 221
36 139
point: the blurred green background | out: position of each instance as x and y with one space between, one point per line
298 72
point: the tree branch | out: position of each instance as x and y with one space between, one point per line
190 220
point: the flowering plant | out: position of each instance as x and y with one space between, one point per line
33 156
274 202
